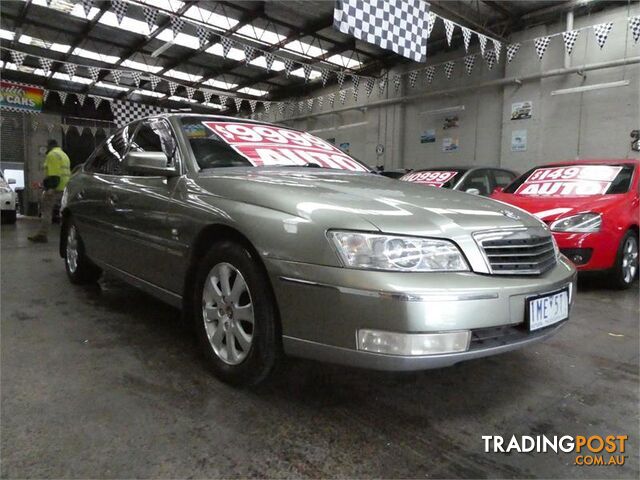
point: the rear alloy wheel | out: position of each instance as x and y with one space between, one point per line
235 315
626 268
80 269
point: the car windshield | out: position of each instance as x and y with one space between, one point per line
442 177
219 143
573 180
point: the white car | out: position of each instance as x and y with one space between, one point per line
8 198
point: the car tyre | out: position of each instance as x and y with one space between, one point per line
80 270
625 270
235 315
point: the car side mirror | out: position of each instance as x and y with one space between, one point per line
498 189
473 191
11 181
149 163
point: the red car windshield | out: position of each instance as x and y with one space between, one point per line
218 143
573 180
443 178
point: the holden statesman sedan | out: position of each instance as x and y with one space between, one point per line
274 242
474 180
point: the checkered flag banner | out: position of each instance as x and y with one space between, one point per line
396 25
483 43
18 58
431 21
340 76
310 104
413 76
150 16
227 43
203 36
324 74
448 68
81 98
288 66
397 81
490 58
116 74
136 78
355 81
63 97
71 69
86 5
190 92
601 32
223 100
96 101
269 58
469 62
94 73
429 73
238 102
154 81
466 35
306 68
249 53
382 83
497 48
120 9
368 86
541 44
343 96
172 88
634 25
449 26
207 95
512 50
125 112
570 40
45 63
252 105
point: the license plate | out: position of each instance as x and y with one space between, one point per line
548 309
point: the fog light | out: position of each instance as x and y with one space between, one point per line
413 343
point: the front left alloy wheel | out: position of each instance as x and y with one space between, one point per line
625 270
80 269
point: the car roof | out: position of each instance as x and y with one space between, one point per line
222 118
462 167
595 161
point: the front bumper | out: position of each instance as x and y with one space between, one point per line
323 308
597 251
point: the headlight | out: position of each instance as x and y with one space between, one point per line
581 223
371 251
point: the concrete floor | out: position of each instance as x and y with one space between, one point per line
105 382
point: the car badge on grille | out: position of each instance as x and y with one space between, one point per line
510 214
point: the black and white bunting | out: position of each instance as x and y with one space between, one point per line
288 66
497 48
45 95
249 54
448 68
512 50
483 43
397 81
120 9
340 75
150 16
96 101
86 6
207 94
306 69
310 104
172 88
71 69
368 86
332 98
18 58
63 97
268 60
177 24
154 81
136 76
570 40
45 63
252 105
94 73
282 107
81 98
431 21
490 58
266 106
227 43
395 25
634 26
238 102
320 102
116 74
190 92
466 36
203 36
541 44
343 96
469 62
413 77
601 32
382 83
224 99
429 73
355 82
449 26
324 75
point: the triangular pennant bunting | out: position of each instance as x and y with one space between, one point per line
368 86
153 80
150 16
429 73
266 106
65 128
343 96
45 95
469 62
249 53
466 35
490 58
253 104
324 75
71 69
116 74
300 106
86 6
413 76
96 101
227 43
601 32
268 59
541 44
355 81
320 102
120 9
310 104
18 58
177 24
431 21
81 98
449 26
512 50
223 100
190 92
306 68
340 76
634 25
288 66
497 48
238 102
63 97
207 95
136 77
172 88
93 131
332 98
281 107
94 73
483 43
570 40
448 68
382 83
397 81
45 63
203 36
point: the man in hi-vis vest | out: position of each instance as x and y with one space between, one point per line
57 170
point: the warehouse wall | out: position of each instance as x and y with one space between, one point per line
591 124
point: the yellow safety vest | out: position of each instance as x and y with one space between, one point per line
57 164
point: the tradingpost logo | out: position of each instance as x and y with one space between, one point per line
596 450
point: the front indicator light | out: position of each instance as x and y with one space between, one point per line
413 344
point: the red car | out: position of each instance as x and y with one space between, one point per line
591 206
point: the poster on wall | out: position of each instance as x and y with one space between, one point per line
428 136
451 122
20 98
521 110
519 141
450 144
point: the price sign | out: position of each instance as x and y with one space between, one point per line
572 180
433 178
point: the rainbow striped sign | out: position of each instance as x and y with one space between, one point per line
21 98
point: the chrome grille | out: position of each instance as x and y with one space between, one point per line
517 252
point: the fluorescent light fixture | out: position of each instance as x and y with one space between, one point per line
442 111
588 88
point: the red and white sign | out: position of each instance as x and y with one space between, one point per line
433 178
265 145
572 180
